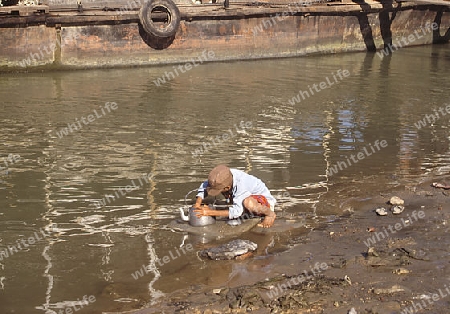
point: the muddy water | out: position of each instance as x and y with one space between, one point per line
151 144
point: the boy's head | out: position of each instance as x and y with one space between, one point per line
220 180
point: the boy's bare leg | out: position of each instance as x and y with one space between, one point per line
253 206
268 220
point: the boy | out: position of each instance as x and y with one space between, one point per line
243 190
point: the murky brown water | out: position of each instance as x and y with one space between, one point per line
54 183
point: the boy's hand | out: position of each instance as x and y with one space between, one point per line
202 210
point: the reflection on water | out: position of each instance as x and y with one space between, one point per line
94 250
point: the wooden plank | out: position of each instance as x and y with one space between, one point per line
21 21
96 17
24 10
434 2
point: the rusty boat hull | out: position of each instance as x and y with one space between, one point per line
50 37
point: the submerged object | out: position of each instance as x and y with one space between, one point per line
196 221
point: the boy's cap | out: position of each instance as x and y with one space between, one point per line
219 178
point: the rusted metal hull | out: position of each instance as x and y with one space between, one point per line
107 39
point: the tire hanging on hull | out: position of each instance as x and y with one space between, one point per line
165 6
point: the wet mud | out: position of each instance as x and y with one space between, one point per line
359 261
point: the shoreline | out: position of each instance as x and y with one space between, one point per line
386 278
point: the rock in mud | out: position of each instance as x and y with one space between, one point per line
229 250
381 211
395 200
372 252
400 271
398 209
394 289
352 311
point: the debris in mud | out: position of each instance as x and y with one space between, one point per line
393 289
381 211
404 242
398 209
418 255
339 264
277 295
395 200
230 250
389 256
401 271
440 185
372 252
348 280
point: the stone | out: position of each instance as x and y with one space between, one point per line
395 200
372 252
401 271
398 209
381 211
394 289
229 250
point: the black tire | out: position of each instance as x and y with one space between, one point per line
173 16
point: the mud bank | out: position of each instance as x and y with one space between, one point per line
363 261
103 38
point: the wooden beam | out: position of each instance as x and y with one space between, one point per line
434 2
188 12
24 10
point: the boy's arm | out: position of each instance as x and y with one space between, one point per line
206 211
201 194
198 203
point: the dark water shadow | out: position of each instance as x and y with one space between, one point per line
437 38
154 42
367 64
384 93
385 67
